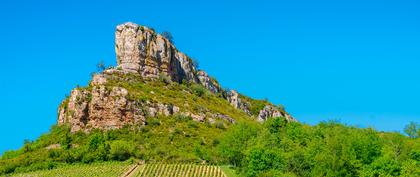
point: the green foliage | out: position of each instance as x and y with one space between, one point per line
262 160
274 148
234 143
100 66
121 150
412 130
329 149
199 90
174 138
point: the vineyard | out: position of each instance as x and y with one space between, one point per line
124 169
177 170
82 170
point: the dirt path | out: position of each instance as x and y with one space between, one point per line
130 172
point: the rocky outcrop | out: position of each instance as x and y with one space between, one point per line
102 107
208 82
146 54
140 49
109 107
270 111
233 97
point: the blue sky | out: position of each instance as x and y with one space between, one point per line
356 61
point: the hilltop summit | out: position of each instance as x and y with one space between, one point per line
150 67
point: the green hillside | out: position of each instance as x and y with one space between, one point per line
272 148
170 138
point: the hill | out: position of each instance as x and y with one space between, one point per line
158 108
155 105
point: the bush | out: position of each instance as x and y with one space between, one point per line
153 121
121 150
164 78
220 125
182 118
198 90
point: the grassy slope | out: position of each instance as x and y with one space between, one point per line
189 97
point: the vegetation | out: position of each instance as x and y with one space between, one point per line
254 105
412 130
273 148
82 170
188 96
277 148
175 138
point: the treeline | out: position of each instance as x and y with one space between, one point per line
277 148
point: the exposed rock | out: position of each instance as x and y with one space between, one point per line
53 146
270 111
140 49
99 79
208 82
162 109
233 97
75 112
100 108
225 117
198 117
109 108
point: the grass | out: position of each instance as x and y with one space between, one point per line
228 171
188 97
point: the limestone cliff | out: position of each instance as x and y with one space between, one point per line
147 55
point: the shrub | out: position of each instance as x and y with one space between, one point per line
121 150
220 125
164 78
100 66
198 90
153 121
182 118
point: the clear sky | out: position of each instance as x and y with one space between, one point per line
353 60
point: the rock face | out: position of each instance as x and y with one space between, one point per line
101 107
143 52
233 97
139 49
270 111
208 82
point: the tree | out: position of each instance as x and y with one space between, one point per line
235 141
100 66
27 145
412 130
168 35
